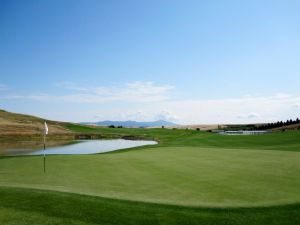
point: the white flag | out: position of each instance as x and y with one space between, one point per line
46 129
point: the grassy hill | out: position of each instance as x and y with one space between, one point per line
288 127
20 124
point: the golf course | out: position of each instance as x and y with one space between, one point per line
189 177
162 112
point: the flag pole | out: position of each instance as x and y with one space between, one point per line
45 133
44 152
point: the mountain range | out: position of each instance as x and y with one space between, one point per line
131 123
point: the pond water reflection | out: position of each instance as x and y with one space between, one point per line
78 147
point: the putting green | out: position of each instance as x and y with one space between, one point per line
190 176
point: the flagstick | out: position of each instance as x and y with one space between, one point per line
44 153
45 133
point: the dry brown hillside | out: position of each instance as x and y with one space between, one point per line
13 123
288 127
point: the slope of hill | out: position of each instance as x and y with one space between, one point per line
14 123
287 127
130 123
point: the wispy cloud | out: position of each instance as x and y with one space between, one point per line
3 87
296 105
249 116
130 92
71 86
134 92
209 111
236 110
145 115
152 101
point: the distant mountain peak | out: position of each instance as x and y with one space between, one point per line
132 123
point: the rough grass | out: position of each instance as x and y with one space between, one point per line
18 124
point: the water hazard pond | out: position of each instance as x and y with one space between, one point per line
79 147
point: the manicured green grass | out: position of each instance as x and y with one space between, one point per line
175 175
26 206
163 184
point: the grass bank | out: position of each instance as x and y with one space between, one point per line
47 207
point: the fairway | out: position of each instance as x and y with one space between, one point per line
188 176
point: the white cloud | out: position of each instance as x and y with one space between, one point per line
130 92
296 105
71 86
146 101
210 111
147 115
235 110
139 115
166 115
249 116
135 92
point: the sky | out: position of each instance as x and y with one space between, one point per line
189 62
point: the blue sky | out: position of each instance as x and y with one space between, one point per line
185 61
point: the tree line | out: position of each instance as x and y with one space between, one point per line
277 124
